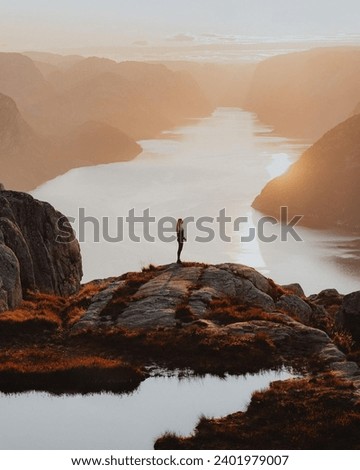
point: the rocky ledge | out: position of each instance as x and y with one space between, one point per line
32 257
219 319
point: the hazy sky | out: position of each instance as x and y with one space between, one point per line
46 24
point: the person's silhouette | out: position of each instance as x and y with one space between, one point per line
180 238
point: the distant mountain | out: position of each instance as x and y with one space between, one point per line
28 159
71 111
222 84
95 142
304 94
58 60
22 152
323 185
21 80
138 98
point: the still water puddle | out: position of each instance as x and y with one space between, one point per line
107 421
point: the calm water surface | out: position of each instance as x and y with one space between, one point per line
222 161
107 421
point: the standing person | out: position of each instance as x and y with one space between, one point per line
180 238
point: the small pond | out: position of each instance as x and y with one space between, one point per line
37 420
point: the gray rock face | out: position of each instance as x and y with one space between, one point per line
348 316
327 298
10 286
294 288
45 255
175 296
157 302
296 307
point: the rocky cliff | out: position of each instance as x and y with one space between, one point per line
25 156
304 94
323 185
31 255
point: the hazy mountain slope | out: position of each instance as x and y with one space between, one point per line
140 99
324 184
21 80
22 153
106 98
94 143
222 84
57 60
304 94
26 159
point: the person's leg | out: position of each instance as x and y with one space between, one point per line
179 251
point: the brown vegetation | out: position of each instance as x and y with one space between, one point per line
60 370
195 347
226 311
317 413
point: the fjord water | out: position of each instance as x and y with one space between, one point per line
222 161
105 421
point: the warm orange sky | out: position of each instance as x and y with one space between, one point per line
42 24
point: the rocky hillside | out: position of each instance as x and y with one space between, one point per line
22 81
139 99
29 159
58 112
304 94
32 257
23 153
93 143
57 93
200 319
323 185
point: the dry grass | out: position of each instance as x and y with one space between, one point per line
41 313
60 370
42 359
22 315
44 312
226 311
204 350
295 414
184 314
277 291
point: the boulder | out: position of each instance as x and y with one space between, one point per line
10 285
295 307
348 316
39 246
294 288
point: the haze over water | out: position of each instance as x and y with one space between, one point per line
222 161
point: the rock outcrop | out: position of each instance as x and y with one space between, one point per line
323 185
159 300
10 285
230 301
218 319
36 253
348 317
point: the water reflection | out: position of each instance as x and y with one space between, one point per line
222 161
107 421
